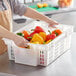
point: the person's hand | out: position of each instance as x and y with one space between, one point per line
20 41
52 23
64 3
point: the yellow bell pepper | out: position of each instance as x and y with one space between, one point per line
37 38
35 42
48 41
43 35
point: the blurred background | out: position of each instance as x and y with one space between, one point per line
66 15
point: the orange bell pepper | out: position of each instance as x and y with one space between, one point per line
26 34
57 32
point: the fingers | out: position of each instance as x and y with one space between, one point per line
22 45
26 45
53 24
26 41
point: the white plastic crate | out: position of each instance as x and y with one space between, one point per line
40 54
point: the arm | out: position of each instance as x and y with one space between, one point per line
38 16
19 41
21 9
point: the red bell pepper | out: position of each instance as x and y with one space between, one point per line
31 35
50 37
38 29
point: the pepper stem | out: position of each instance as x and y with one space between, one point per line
32 29
29 37
49 31
56 33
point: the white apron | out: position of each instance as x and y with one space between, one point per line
6 22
